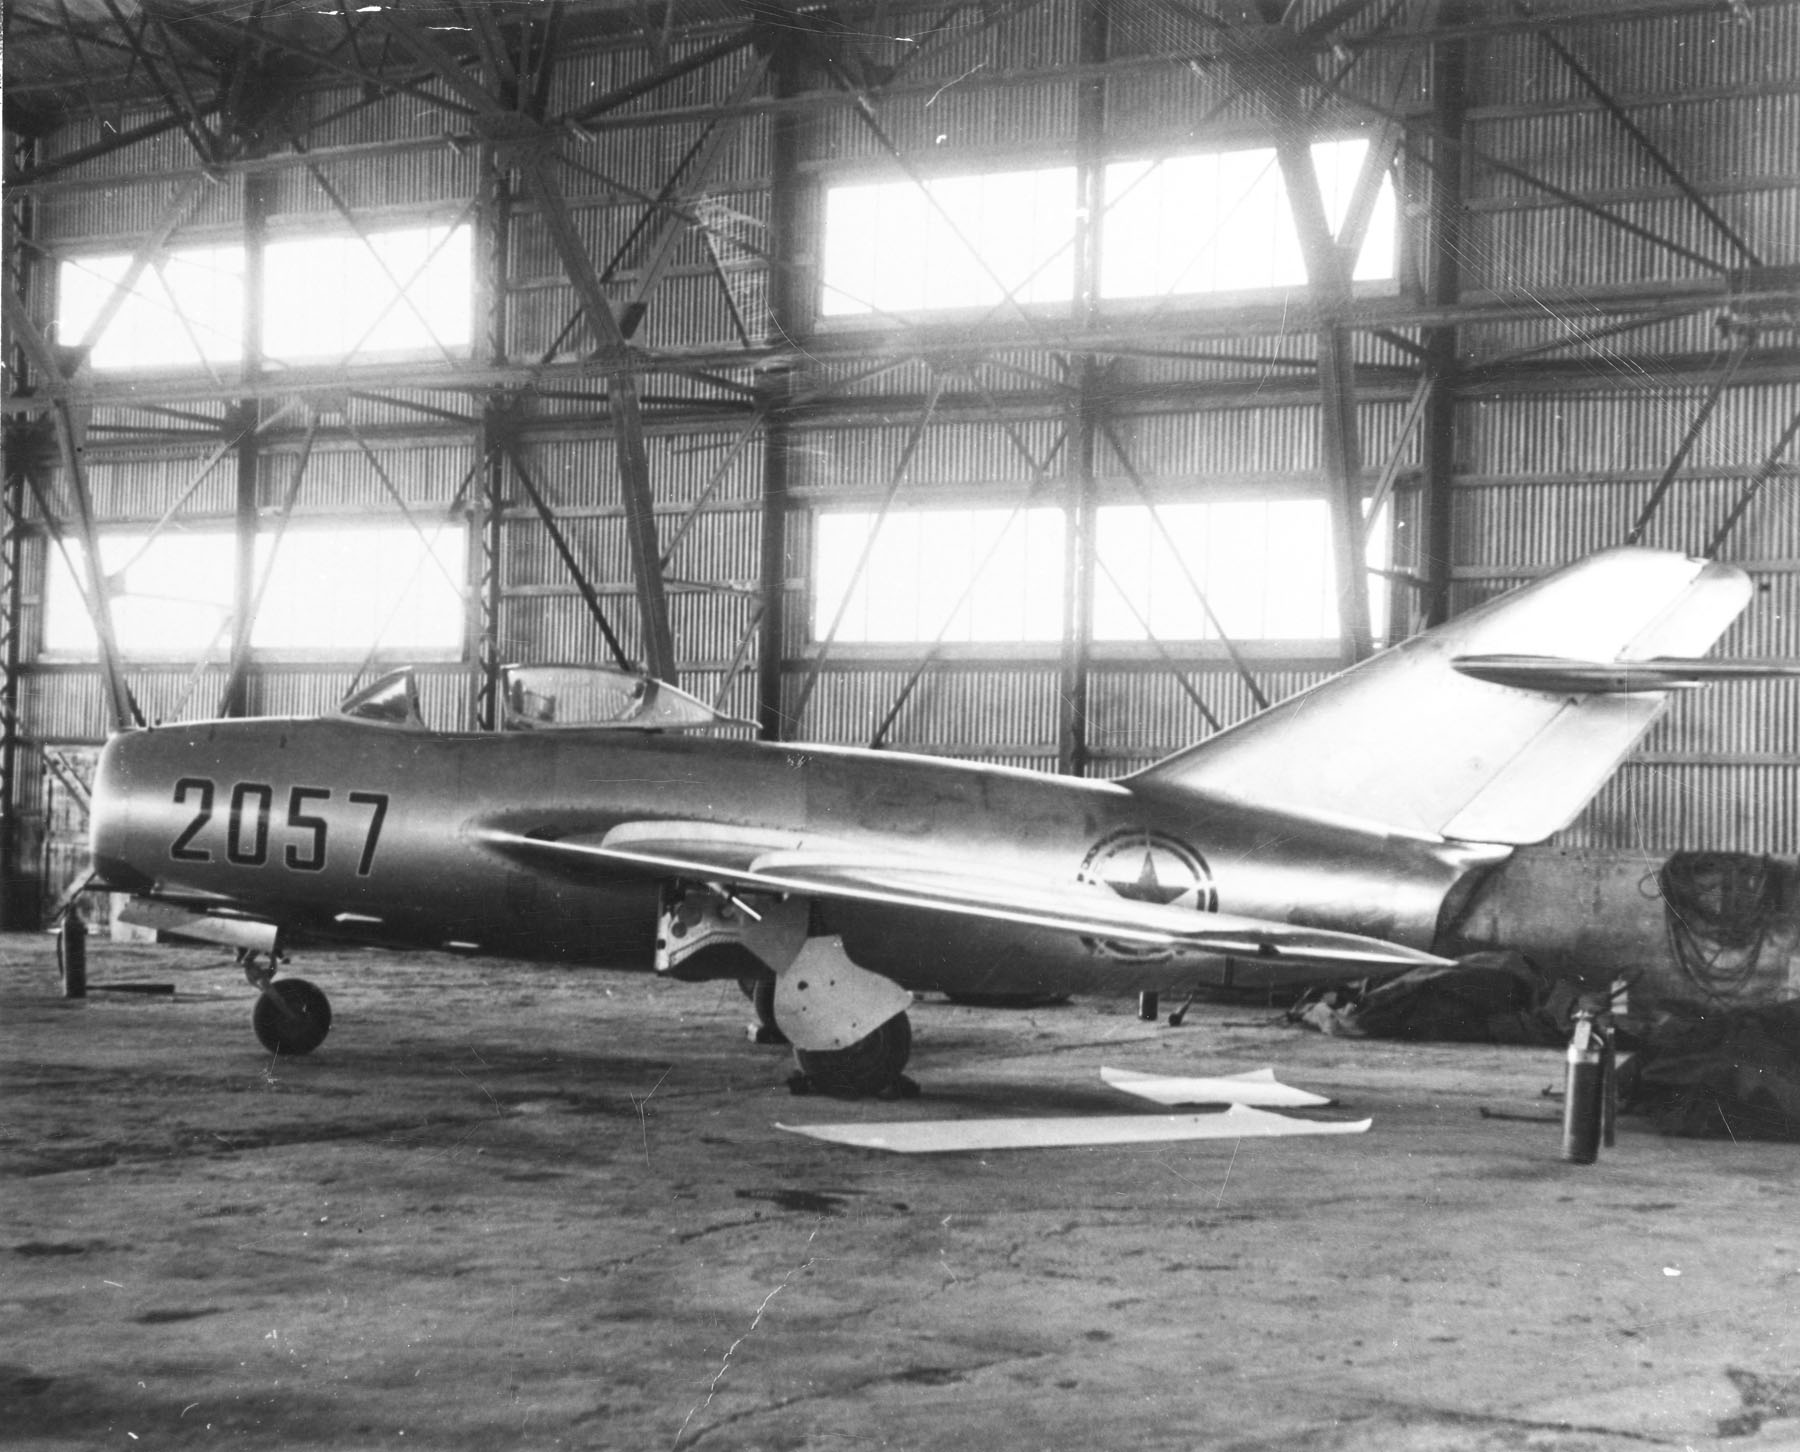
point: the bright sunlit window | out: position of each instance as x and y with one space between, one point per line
171 595
359 587
951 574
1220 222
335 297
399 292
1205 223
1265 565
349 589
183 309
956 242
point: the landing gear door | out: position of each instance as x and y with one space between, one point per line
697 923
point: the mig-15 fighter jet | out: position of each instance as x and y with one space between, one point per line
1327 837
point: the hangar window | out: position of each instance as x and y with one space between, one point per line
1205 223
184 309
171 595
359 587
405 291
1265 566
1220 222
338 296
950 574
955 242
331 589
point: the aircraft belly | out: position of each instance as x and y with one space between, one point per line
921 952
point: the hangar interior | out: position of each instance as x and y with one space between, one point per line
1046 382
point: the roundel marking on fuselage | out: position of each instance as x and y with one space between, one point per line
1144 865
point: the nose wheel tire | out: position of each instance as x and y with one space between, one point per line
291 1017
867 1067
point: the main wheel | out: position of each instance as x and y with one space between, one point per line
291 1017
868 1066
760 990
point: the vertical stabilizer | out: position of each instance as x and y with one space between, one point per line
1407 743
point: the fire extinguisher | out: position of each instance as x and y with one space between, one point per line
1585 1088
71 955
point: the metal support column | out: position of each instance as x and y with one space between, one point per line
17 458
1340 445
490 566
493 437
12 553
1279 65
1074 749
786 320
1443 281
242 419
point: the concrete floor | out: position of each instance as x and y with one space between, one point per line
514 1207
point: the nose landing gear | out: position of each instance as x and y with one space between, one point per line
291 1017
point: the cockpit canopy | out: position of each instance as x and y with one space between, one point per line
552 697
391 700
549 696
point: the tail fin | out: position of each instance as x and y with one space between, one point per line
1408 743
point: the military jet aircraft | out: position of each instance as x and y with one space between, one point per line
1329 836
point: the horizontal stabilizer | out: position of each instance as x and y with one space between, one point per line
1410 742
1258 1088
1559 675
704 852
948 1136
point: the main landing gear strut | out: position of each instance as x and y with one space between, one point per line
848 1027
870 1066
291 1017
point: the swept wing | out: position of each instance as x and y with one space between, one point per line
772 862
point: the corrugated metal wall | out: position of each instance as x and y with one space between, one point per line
1547 475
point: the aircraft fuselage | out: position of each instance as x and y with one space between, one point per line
372 832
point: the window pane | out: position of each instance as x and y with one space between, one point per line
1379 553
332 589
1123 582
1265 568
851 256
838 542
958 574
398 292
1305 602
1340 164
1220 222
356 588
404 291
170 598
184 309
955 242
892 580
